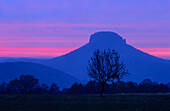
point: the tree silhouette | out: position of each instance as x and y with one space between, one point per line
54 89
3 86
28 82
104 67
24 84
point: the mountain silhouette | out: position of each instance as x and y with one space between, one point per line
47 75
140 64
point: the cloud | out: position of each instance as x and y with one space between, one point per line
160 52
33 52
69 23
94 11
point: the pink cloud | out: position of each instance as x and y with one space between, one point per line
160 52
19 35
43 41
33 52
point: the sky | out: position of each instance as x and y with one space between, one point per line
50 28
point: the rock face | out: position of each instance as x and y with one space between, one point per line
140 65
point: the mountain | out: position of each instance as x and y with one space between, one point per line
140 64
23 59
47 75
5 58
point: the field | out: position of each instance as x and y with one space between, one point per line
120 102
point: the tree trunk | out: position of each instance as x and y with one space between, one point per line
101 94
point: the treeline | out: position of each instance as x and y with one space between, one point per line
92 87
27 84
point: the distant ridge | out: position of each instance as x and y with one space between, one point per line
140 64
47 75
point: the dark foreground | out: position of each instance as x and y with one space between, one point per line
127 102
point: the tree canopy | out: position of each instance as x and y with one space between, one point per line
104 66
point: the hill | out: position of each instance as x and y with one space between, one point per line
47 75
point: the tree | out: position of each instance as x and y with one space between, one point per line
54 89
28 83
76 88
3 86
104 66
25 84
14 87
92 87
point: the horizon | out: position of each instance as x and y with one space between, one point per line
84 55
145 50
54 28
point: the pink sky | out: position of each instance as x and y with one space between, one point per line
50 28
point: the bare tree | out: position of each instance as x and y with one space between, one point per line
104 67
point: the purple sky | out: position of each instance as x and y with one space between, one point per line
49 28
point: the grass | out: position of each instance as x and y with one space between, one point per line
119 102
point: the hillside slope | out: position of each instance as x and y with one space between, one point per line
47 75
140 65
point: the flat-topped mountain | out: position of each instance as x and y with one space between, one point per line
140 64
106 37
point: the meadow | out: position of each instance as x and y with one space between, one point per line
116 102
